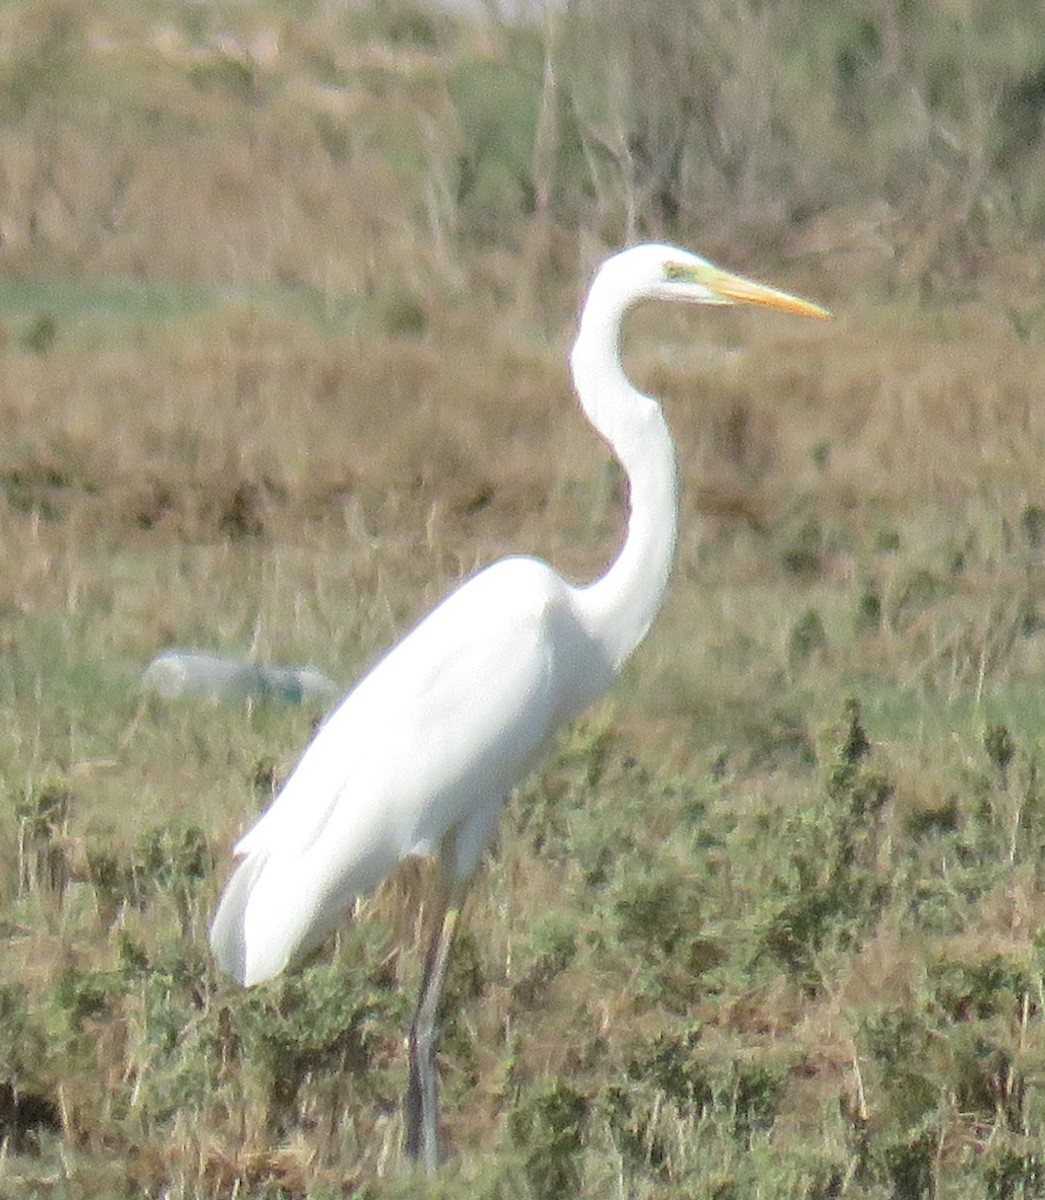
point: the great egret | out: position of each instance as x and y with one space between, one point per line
420 756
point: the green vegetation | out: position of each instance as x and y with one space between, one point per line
286 292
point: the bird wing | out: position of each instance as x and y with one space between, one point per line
445 724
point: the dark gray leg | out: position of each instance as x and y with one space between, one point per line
422 1098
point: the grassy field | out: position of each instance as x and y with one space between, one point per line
285 297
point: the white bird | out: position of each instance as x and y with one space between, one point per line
420 756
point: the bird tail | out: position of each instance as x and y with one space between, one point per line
228 939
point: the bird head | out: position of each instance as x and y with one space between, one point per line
666 273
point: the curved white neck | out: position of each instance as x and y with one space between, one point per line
620 606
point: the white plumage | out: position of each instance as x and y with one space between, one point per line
432 739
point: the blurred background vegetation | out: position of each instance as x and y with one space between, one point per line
216 144
285 295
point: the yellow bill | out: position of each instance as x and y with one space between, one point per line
735 289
